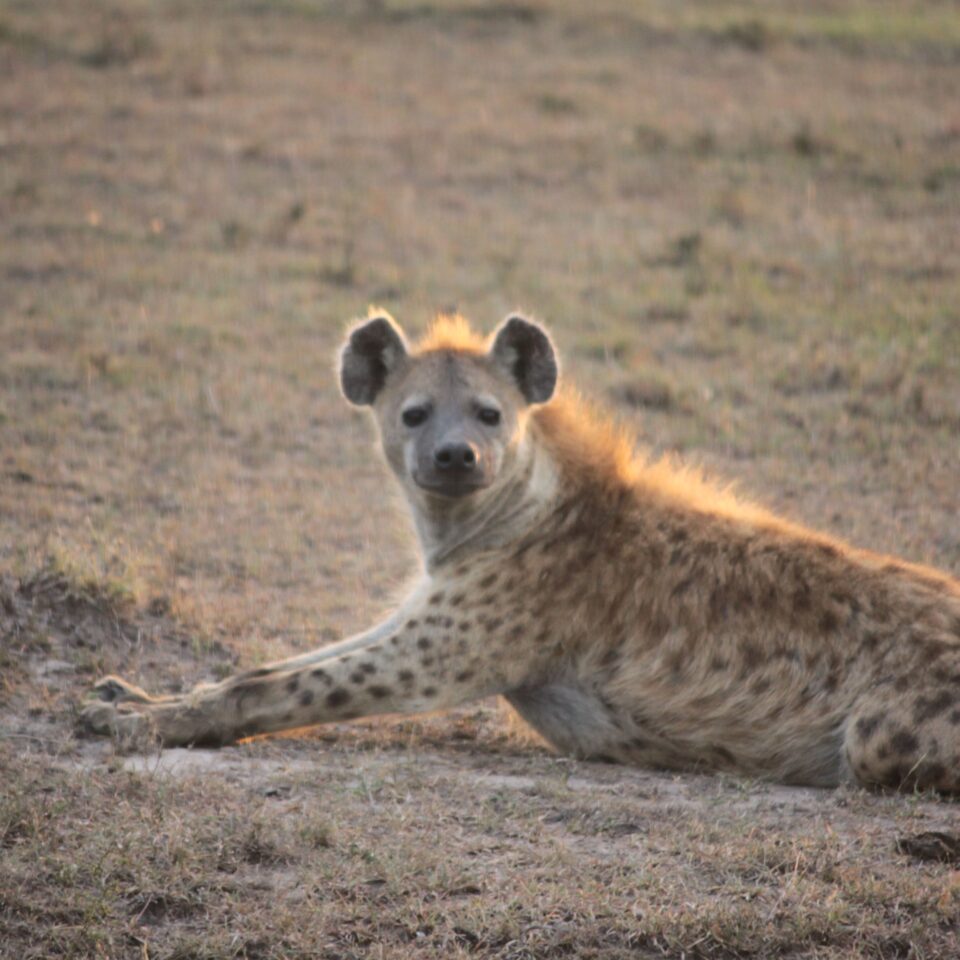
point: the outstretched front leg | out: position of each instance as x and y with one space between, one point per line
423 658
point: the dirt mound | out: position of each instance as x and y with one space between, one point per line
57 635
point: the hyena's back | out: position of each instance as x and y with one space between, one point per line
691 631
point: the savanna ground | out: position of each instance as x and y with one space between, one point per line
740 221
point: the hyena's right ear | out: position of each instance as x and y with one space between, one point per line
372 350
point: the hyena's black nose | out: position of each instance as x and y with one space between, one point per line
455 457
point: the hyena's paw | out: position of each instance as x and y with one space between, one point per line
122 721
114 690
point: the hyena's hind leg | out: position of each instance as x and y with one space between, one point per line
906 740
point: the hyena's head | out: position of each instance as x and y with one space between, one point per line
452 413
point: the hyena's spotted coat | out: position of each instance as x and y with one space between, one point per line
626 610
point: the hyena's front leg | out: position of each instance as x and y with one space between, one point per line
421 659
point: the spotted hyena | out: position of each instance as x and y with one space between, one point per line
627 610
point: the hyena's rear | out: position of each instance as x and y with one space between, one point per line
626 610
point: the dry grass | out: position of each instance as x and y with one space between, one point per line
740 220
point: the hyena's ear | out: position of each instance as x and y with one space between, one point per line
524 351
372 350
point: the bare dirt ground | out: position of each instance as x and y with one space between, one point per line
741 222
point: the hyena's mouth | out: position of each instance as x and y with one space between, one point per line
450 487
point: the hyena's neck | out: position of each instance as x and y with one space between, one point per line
493 518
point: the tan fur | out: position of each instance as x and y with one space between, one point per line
627 610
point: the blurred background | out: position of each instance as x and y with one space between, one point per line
739 219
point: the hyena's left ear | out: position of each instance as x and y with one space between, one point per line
372 350
524 351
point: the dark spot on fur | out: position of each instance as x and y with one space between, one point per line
380 692
457 599
743 600
801 598
493 624
934 773
368 668
610 657
405 676
428 691
424 643
955 717
723 753
678 536
928 707
866 727
293 684
718 663
682 587
489 580
719 603
394 640
431 621
904 742
358 677
464 625
436 598
249 688
828 621
516 631
901 684
760 686
446 623
752 655
871 641
675 662
826 550
463 676
933 650
412 624
306 698
321 674
338 697
426 661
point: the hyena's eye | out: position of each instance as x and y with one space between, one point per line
414 416
489 415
